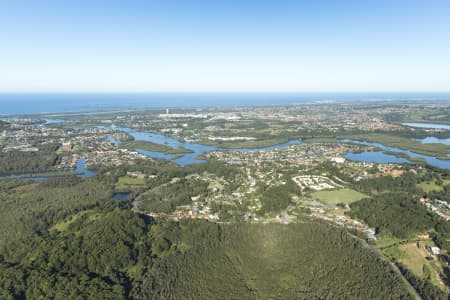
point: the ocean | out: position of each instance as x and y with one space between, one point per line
14 104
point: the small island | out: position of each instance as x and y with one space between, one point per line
155 147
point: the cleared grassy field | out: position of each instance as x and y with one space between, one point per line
63 225
386 240
430 187
334 197
394 252
126 180
415 260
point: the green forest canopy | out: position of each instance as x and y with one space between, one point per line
119 254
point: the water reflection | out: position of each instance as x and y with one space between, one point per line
188 158
80 170
379 155
427 125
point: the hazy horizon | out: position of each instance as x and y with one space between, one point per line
37 103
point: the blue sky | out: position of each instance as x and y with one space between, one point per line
224 46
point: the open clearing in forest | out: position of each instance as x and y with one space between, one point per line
333 197
428 187
415 258
126 180
417 263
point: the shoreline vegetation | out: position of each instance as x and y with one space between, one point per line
55 173
254 144
229 145
155 147
51 174
440 151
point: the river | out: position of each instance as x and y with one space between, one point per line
80 170
434 140
427 125
380 157
189 158
199 149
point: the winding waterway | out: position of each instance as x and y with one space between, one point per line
199 149
189 158
434 140
80 170
380 157
427 125
375 157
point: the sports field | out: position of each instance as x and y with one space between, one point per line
333 197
